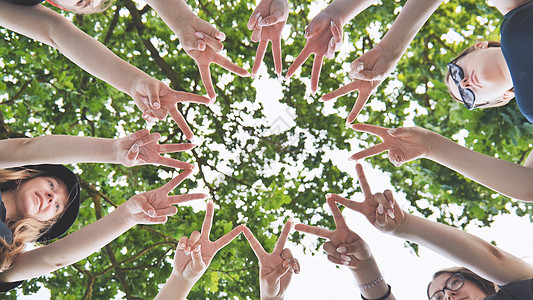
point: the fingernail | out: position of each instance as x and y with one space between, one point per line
296 268
144 100
286 263
199 35
333 24
257 16
332 42
391 203
259 21
156 105
135 148
380 209
289 220
359 75
181 245
221 36
146 219
392 131
197 248
390 213
306 34
345 257
348 124
345 262
263 22
188 251
151 212
359 67
132 137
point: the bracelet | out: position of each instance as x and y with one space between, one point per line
371 283
381 298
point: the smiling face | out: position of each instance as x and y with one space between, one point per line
468 291
486 74
41 198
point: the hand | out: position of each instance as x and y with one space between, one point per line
155 206
404 144
141 148
275 268
155 99
339 239
324 37
202 41
195 253
367 72
379 209
267 22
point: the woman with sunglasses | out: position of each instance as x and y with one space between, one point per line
39 203
489 264
482 76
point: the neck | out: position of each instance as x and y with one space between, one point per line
503 69
7 198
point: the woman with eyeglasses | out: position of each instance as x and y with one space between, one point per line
495 275
482 76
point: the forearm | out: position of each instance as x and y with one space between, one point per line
175 288
347 9
173 12
56 149
404 29
466 249
505 177
47 26
70 249
369 279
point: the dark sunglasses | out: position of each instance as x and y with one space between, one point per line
457 75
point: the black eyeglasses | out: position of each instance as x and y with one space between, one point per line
453 283
457 75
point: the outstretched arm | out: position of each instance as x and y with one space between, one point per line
147 208
153 97
369 70
409 143
138 148
466 249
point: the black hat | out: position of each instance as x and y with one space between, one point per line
73 206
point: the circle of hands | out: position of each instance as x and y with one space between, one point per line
203 43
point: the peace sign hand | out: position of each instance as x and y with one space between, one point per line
141 148
324 37
404 144
267 22
379 209
194 254
338 238
276 268
155 206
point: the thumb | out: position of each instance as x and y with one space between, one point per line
397 132
366 75
274 18
278 272
311 30
142 204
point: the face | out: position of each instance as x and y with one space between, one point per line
468 291
485 74
41 198
82 6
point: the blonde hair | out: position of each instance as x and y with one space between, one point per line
25 230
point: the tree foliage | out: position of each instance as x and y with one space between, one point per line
253 173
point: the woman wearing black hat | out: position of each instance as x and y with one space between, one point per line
41 202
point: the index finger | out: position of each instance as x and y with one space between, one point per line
315 72
182 124
230 66
321 232
360 102
208 220
337 215
227 238
300 59
254 243
205 75
169 186
190 97
343 90
280 244
372 129
362 181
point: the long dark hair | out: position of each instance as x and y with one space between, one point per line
488 287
